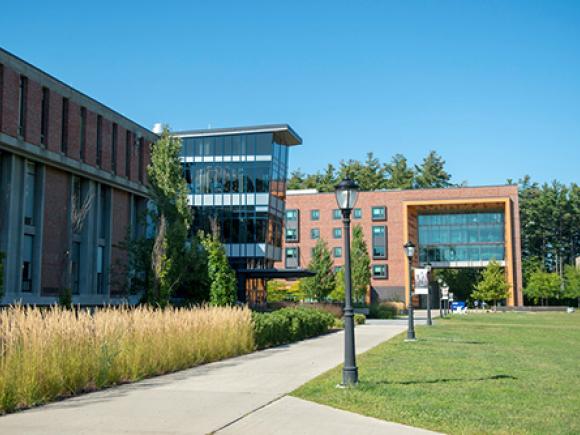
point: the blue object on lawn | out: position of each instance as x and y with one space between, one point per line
457 305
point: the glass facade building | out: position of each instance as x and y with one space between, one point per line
237 183
461 237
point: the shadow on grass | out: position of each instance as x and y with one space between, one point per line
449 380
452 340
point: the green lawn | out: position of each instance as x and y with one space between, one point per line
481 373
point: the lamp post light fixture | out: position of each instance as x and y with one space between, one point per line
428 268
410 253
346 196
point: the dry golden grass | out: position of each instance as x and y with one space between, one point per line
51 353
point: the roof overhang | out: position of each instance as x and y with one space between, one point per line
275 273
283 133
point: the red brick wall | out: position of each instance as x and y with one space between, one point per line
74 131
121 216
107 128
33 113
91 140
55 240
10 102
55 123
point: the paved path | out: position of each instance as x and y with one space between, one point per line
243 395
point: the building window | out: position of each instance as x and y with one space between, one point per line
379 242
99 140
291 235
104 212
291 215
83 132
64 127
337 233
27 265
314 215
292 258
76 267
114 149
44 121
379 271
357 213
128 154
336 214
30 193
141 149
379 213
1 92
22 106
315 233
337 252
337 269
100 270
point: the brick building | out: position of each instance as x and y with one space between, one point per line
462 227
72 182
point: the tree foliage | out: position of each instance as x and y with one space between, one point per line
372 174
542 285
319 286
338 292
493 285
223 283
572 282
360 265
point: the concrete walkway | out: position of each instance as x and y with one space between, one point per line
243 395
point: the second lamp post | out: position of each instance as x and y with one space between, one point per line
346 194
410 252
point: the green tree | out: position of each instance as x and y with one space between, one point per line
399 174
542 285
176 260
360 264
223 284
572 282
319 286
337 294
296 180
431 172
493 285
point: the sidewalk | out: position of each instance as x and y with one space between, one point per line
239 395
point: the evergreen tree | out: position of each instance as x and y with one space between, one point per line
493 285
318 287
542 285
572 282
296 180
399 174
223 283
360 265
431 172
372 174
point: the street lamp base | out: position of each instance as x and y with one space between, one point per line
410 339
344 386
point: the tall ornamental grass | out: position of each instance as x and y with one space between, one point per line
54 352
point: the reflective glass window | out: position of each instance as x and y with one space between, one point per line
337 252
337 233
357 213
315 233
378 213
314 215
336 214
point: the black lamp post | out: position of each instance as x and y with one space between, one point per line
428 267
346 195
410 252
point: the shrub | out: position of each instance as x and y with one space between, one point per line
382 311
360 319
288 325
55 352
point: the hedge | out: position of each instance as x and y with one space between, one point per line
288 325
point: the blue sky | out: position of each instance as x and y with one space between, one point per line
493 86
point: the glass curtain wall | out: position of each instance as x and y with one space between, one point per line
238 183
461 237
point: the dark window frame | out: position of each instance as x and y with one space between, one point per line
99 159
22 106
385 269
44 116
64 126
317 218
128 154
381 218
83 134
114 137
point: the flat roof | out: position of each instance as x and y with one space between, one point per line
283 132
296 192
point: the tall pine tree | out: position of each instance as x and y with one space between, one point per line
360 265
431 172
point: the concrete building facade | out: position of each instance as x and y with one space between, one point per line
461 227
72 183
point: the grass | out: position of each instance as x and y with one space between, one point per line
491 373
52 353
